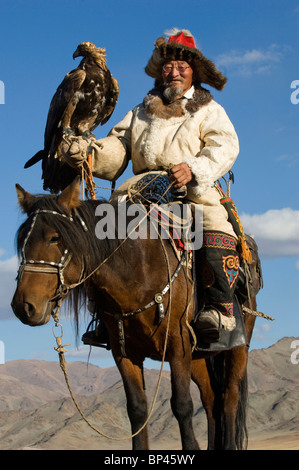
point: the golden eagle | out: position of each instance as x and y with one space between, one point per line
86 98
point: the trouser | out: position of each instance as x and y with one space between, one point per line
218 259
215 215
218 268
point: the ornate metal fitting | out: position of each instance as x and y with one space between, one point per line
159 298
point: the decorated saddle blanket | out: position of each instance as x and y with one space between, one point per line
154 192
164 205
168 210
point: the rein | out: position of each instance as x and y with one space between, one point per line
158 300
51 267
159 297
58 268
60 348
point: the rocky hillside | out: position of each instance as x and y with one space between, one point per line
37 412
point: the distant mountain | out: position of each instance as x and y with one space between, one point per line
28 384
37 412
274 389
271 369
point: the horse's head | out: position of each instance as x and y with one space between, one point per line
47 265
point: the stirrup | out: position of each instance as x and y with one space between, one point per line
96 335
208 325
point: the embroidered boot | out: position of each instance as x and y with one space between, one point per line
218 268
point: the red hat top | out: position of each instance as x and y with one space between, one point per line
181 38
181 46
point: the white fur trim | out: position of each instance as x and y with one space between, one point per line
203 182
228 323
175 31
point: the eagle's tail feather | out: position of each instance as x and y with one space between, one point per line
36 158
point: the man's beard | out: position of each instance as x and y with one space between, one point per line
171 94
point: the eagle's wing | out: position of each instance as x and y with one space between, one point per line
56 173
62 107
112 97
85 98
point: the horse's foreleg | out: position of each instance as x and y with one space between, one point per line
132 376
181 401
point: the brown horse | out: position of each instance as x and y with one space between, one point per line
61 255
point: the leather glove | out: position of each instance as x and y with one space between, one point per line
75 150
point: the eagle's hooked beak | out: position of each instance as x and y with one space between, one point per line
76 53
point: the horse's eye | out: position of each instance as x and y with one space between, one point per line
54 239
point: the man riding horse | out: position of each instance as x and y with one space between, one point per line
180 128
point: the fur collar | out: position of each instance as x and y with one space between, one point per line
156 105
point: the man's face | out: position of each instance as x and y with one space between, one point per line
177 75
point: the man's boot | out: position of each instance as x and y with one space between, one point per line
217 264
96 334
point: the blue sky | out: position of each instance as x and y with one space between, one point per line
255 44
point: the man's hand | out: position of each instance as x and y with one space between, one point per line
180 174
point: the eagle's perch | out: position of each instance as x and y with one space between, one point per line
86 98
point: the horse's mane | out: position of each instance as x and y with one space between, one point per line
75 238
79 242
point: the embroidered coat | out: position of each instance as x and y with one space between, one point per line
156 135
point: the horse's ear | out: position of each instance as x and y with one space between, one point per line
25 199
70 196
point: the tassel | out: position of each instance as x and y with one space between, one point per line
244 251
234 219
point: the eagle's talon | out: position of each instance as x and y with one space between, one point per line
68 131
87 135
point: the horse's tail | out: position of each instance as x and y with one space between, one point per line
241 428
219 379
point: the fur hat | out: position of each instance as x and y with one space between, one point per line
181 46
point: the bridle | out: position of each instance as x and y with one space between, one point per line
48 267
51 267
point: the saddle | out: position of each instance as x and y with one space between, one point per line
155 193
156 189
153 188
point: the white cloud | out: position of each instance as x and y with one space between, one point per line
258 61
289 160
84 353
260 332
275 231
8 272
9 265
